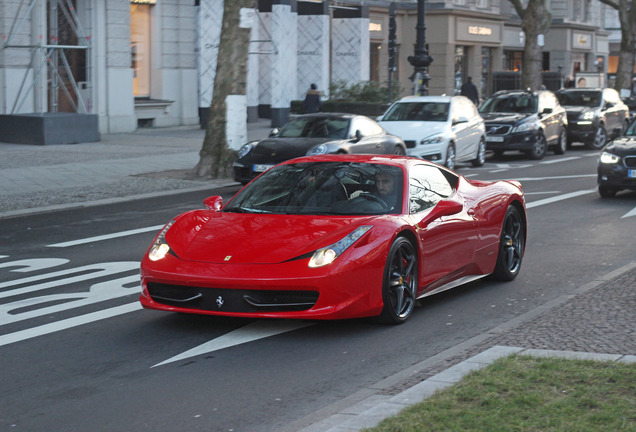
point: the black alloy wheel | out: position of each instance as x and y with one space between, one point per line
562 144
511 245
600 139
539 147
399 287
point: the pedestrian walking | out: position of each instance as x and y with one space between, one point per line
312 100
470 91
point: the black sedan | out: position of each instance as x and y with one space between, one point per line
617 164
526 121
315 134
594 115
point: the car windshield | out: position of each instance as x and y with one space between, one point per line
631 130
580 98
316 127
323 188
511 103
418 111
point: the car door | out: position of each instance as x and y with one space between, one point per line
614 115
462 127
372 137
550 116
448 242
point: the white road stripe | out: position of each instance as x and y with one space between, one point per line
553 161
522 179
68 323
559 198
107 236
251 332
629 214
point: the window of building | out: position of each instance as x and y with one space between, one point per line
140 48
460 2
514 60
374 62
460 67
482 4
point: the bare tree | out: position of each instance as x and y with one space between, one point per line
535 20
231 74
627 16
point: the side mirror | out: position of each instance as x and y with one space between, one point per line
446 207
274 132
547 111
357 136
213 203
608 106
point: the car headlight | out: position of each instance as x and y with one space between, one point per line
432 140
587 115
160 247
609 158
328 254
524 127
244 150
318 150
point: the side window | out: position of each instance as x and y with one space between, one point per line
427 186
370 127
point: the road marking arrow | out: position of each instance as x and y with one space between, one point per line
251 332
629 214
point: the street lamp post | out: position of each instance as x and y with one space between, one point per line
421 60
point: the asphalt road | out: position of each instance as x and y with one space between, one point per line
78 354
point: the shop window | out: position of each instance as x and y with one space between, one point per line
374 62
514 60
140 48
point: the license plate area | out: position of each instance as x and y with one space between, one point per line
261 167
494 138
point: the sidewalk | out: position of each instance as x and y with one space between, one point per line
147 161
597 318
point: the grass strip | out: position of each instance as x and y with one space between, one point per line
523 393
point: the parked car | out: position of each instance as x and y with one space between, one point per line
594 115
442 129
313 134
335 237
617 164
527 121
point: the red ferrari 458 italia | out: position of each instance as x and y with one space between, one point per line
334 237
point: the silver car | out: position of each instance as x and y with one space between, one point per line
442 129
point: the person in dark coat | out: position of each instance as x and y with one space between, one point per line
470 91
312 103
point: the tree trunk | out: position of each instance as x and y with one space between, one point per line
536 20
628 43
231 73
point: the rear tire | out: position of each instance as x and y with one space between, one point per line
511 245
399 285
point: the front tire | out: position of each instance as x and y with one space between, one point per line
600 139
511 245
607 191
399 286
399 151
450 157
480 160
539 147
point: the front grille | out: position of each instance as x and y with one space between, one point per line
495 129
630 161
409 144
231 300
572 117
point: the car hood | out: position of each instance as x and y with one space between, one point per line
276 150
414 130
623 146
239 238
505 118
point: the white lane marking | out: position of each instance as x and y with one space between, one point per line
553 161
106 237
542 193
629 214
499 170
251 332
87 272
68 323
34 264
522 179
100 292
559 198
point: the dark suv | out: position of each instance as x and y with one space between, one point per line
594 115
526 121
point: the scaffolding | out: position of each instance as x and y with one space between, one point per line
64 90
